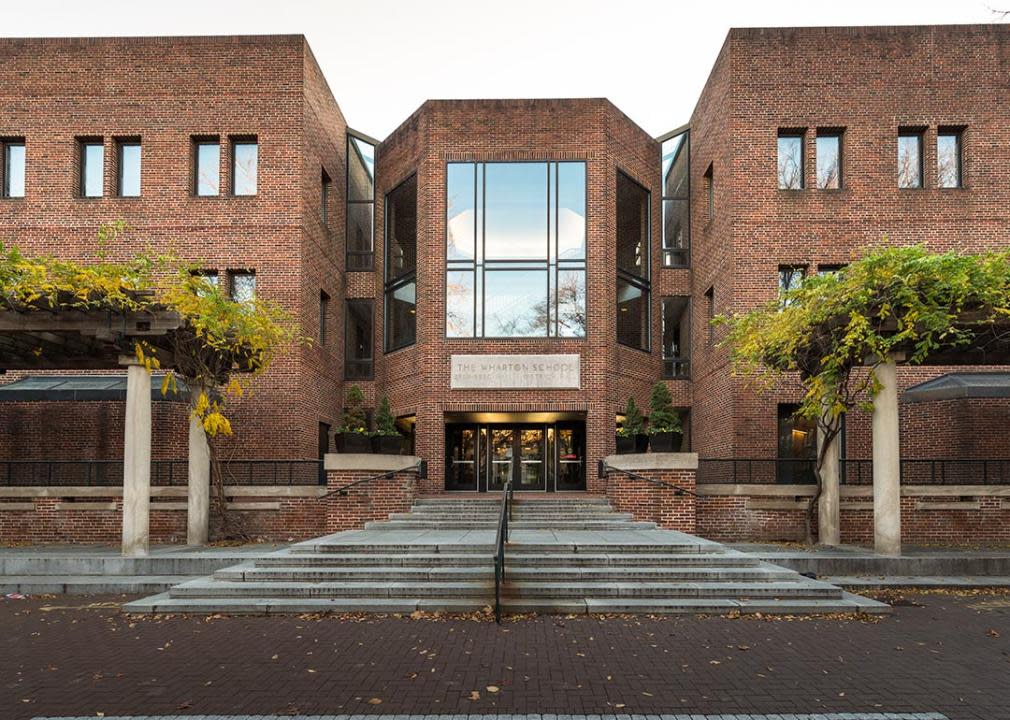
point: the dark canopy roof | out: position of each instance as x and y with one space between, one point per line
953 386
82 387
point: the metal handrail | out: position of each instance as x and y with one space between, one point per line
603 468
420 469
109 473
504 516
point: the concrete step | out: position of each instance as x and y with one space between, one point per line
700 589
514 559
90 584
592 548
581 524
520 500
517 517
515 574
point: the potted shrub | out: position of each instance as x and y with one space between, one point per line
631 437
353 435
386 438
665 430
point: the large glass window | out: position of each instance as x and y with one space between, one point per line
358 340
92 168
677 200
633 278
948 158
790 278
360 203
790 162
242 285
797 447
515 249
676 337
245 154
128 168
829 160
910 159
401 265
207 167
13 168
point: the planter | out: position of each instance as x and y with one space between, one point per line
625 444
665 441
352 442
386 444
641 443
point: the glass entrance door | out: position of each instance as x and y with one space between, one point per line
531 470
501 452
461 457
571 449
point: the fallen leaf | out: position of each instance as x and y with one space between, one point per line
375 701
492 688
474 695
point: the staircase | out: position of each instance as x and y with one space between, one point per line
568 555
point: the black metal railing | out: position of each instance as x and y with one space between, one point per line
420 469
164 473
857 471
755 471
502 538
603 469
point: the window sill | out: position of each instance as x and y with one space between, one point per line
647 351
516 338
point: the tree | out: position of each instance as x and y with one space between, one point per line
354 411
834 329
633 423
662 416
385 423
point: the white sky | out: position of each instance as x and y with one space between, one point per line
384 57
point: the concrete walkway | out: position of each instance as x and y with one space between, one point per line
819 716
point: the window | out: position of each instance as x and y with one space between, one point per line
324 312
633 278
242 285
358 340
824 269
325 185
710 314
209 280
128 168
244 165
829 159
92 180
797 447
401 265
910 159
677 200
710 193
948 157
676 337
790 163
790 278
207 172
360 203
13 167
516 249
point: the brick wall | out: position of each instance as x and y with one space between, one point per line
655 503
373 500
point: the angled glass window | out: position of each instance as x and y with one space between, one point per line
244 166
790 160
401 315
325 186
358 340
128 168
360 250
13 168
633 276
400 311
515 249
92 168
324 317
676 337
676 164
242 285
207 167
948 158
829 160
910 159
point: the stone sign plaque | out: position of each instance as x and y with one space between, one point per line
511 372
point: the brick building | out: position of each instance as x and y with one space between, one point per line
509 272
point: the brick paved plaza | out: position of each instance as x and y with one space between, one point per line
79 656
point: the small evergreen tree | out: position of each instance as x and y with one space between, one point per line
662 417
354 411
385 423
633 423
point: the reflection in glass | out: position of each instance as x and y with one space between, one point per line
401 229
632 227
515 211
502 446
948 159
531 459
790 278
676 334
676 229
910 160
790 163
358 340
571 220
459 303
676 200
462 450
360 203
460 215
360 170
829 161
92 169
208 168
14 170
401 316
245 165
243 287
632 315
129 169
515 303
359 236
570 296
797 447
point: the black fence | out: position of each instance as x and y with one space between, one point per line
914 471
109 473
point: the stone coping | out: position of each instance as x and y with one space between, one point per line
851 491
642 462
161 491
368 462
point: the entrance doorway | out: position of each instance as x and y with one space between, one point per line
537 457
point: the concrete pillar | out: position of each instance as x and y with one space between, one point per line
137 462
198 495
886 462
828 516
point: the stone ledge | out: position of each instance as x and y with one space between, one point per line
368 462
644 462
163 491
851 491
968 505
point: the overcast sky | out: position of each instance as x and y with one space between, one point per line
384 57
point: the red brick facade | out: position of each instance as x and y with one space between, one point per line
865 82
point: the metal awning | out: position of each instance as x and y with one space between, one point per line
83 388
955 386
